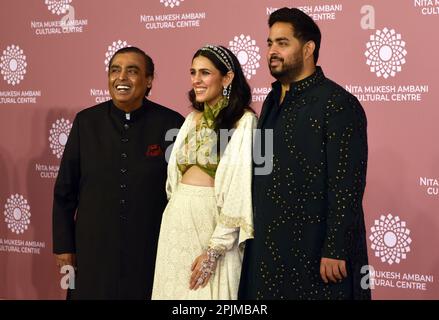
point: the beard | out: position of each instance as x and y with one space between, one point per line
287 71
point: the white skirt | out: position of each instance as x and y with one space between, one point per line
187 225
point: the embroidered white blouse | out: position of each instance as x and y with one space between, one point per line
233 181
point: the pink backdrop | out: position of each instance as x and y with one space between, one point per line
382 51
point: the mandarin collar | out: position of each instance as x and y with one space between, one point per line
133 115
298 87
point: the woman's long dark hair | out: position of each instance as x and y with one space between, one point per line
240 95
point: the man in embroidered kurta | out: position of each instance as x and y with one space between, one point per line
112 176
309 225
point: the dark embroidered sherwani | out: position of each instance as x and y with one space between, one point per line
310 206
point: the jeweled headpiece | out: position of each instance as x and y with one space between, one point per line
221 54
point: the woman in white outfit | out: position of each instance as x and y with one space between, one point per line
209 214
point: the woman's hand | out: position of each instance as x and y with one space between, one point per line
198 277
203 268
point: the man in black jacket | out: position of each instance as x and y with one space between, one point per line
309 226
110 192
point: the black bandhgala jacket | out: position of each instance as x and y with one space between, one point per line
109 197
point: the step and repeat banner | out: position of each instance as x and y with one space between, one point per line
54 60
